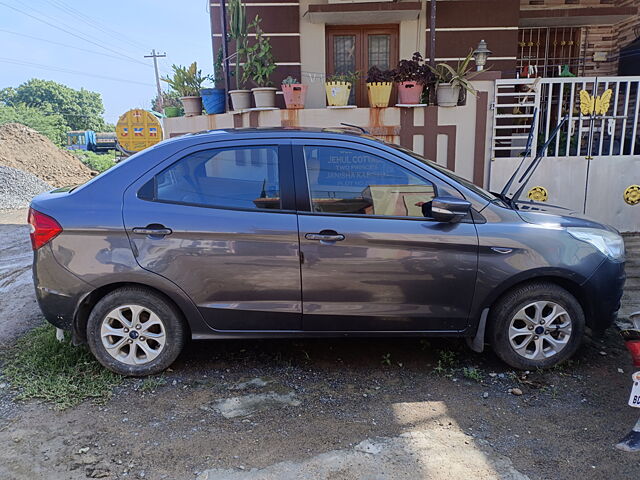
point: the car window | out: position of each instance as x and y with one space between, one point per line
347 181
226 177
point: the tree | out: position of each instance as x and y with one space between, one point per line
81 109
51 125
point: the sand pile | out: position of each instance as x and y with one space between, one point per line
25 149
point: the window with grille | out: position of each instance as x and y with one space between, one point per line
549 51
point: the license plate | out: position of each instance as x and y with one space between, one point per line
634 399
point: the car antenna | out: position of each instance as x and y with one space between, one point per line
356 127
526 176
525 154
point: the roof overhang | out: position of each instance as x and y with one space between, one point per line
567 17
366 13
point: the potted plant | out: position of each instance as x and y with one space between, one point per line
294 92
187 83
259 65
213 98
338 87
240 97
450 81
171 105
411 77
379 84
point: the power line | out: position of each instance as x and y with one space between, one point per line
81 37
95 52
66 70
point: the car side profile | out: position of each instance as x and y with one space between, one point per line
309 232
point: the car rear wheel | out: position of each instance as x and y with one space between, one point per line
136 332
536 326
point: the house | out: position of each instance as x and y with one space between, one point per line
313 38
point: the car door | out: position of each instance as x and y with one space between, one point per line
372 259
219 221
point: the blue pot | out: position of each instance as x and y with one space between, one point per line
213 100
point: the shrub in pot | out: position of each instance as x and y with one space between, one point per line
187 81
411 76
259 65
240 97
213 99
379 84
294 92
451 82
171 105
338 88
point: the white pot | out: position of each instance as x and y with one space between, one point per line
192 106
240 99
447 95
264 97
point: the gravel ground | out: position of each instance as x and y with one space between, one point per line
342 409
17 188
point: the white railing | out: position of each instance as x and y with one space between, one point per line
539 104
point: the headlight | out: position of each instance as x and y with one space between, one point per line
609 243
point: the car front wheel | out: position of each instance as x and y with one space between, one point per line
536 326
136 332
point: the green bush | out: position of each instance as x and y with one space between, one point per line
96 161
51 125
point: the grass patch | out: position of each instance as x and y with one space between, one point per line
96 161
41 367
151 384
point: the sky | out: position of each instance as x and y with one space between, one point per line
109 40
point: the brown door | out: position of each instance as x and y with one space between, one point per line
357 49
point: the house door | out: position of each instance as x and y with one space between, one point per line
356 49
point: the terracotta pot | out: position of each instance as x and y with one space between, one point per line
409 93
240 99
192 106
264 97
379 94
337 93
294 95
447 95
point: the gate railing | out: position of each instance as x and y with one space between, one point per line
613 133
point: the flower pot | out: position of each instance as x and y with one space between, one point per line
264 97
294 95
213 100
379 94
192 106
337 93
447 95
171 111
240 99
409 93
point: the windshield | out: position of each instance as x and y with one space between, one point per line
466 183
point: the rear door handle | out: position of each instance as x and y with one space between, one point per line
158 231
326 237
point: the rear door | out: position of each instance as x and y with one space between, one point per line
372 258
219 221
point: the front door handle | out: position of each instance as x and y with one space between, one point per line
325 237
149 230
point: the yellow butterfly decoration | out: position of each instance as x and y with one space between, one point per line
591 105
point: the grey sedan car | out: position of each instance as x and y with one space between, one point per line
312 233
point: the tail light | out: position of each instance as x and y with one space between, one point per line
634 349
43 228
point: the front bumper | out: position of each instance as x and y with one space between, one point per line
602 294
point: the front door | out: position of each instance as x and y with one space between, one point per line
357 49
372 258
219 221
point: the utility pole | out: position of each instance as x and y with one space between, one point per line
155 57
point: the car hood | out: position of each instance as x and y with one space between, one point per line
541 214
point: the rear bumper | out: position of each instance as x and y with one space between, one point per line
602 293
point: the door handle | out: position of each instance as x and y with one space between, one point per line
326 237
158 231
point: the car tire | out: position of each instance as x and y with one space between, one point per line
537 325
133 331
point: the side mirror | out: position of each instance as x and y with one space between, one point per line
449 209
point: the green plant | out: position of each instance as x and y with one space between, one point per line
472 374
386 359
42 367
460 76
169 99
96 161
186 81
218 70
259 63
51 125
345 77
238 32
290 81
151 384
413 70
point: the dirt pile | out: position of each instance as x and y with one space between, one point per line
25 149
